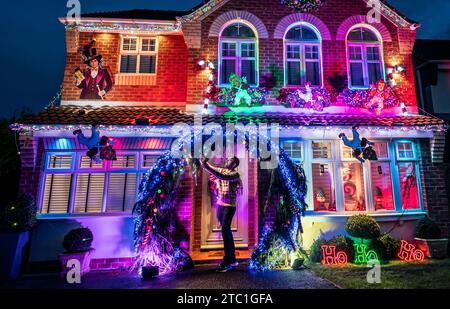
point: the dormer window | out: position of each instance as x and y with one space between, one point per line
365 58
302 56
238 54
138 55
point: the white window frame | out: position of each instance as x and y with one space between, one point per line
106 169
364 61
55 169
336 160
413 148
138 52
391 160
302 148
416 161
303 60
238 58
331 162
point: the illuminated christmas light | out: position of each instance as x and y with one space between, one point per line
331 257
409 253
362 255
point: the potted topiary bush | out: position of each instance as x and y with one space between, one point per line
341 242
77 244
362 226
428 239
16 221
387 246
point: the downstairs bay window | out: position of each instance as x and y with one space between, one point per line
74 184
340 184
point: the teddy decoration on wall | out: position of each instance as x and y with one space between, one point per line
377 97
96 81
362 148
100 148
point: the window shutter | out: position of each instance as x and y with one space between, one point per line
89 193
59 162
56 193
121 192
128 64
147 64
125 161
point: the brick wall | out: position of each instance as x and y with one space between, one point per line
435 181
31 154
271 12
183 208
171 69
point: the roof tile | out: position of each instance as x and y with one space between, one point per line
169 116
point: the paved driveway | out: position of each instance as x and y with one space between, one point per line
202 277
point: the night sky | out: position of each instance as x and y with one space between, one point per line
33 47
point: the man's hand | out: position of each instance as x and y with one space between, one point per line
101 93
203 160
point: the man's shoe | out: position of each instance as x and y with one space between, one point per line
235 264
76 132
341 135
224 268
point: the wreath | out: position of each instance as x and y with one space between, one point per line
303 5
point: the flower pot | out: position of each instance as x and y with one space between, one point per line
12 248
83 257
433 248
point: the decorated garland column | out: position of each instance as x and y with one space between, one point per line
154 217
287 192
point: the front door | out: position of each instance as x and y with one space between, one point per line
211 230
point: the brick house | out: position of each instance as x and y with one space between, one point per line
160 63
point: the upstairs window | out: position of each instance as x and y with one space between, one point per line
238 54
365 60
138 55
302 56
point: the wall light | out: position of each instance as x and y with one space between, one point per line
400 68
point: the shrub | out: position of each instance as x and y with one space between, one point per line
19 215
341 242
426 228
78 240
386 247
362 226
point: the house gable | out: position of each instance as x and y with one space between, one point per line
384 8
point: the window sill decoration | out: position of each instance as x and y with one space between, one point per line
239 94
303 5
312 98
375 99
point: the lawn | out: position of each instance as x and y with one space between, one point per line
431 274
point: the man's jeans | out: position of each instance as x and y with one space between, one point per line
225 215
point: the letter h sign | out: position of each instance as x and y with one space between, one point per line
331 257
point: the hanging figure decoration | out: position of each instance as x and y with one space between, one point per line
96 81
362 148
100 148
